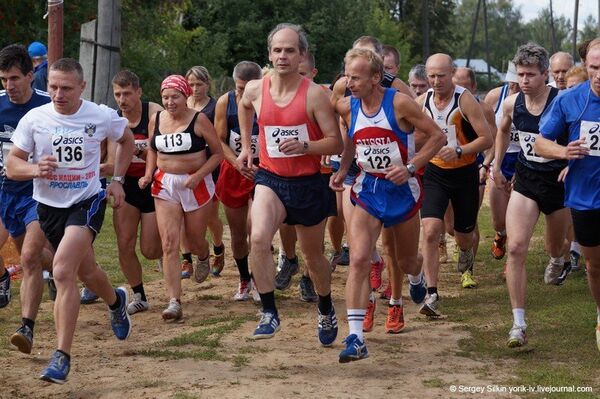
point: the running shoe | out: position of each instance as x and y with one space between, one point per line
254 293
467 281
499 246
334 260
430 307
57 370
51 288
5 295
87 296
119 318
307 290
387 293
575 261
243 291
187 269
267 326
327 327
370 316
173 311
418 291
23 339
375 275
283 278
355 350
137 305
345 259
465 260
443 251
394 323
567 268
218 264
552 273
201 269
516 336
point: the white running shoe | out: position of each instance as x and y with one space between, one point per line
173 311
243 292
517 336
137 305
552 273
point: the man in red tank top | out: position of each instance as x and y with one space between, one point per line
297 125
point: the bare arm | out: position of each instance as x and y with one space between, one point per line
502 140
490 117
205 129
17 167
403 88
552 150
150 156
474 114
221 128
246 118
337 179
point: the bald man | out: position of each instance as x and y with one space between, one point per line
451 176
560 63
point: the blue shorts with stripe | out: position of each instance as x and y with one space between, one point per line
388 202
87 213
16 212
353 171
508 165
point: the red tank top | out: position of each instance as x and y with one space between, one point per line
291 121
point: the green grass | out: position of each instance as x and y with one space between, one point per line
561 349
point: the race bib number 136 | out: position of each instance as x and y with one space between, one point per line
68 149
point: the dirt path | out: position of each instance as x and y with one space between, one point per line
213 358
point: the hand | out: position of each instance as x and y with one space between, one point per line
46 166
244 159
336 181
563 174
326 160
576 149
291 147
500 180
245 171
192 181
144 181
483 175
115 190
447 154
397 174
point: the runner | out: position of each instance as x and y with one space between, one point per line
417 79
560 63
18 210
236 183
452 175
577 112
64 138
182 185
297 125
391 60
537 186
386 191
138 208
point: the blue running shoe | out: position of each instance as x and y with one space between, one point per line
119 319
418 291
267 326
327 328
87 296
5 291
57 370
355 350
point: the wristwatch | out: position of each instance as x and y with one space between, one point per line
118 179
458 152
305 146
411 169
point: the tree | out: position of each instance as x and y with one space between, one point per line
540 34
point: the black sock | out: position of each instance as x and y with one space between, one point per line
65 353
187 256
139 289
242 265
117 303
431 290
218 250
268 302
325 304
28 322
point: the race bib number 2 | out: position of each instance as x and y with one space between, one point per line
377 158
527 141
68 149
275 135
590 132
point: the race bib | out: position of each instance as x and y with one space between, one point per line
527 141
377 158
590 132
174 142
140 145
68 149
450 133
274 135
513 143
235 143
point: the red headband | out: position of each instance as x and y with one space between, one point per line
176 82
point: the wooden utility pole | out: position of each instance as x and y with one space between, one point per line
575 29
552 29
473 34
55 30
108 47
425 18
487 43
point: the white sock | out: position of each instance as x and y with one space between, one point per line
397 302
557 261
414 280
356 317
281 252
519 317
375 258
575 247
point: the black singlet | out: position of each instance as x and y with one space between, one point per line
177 139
